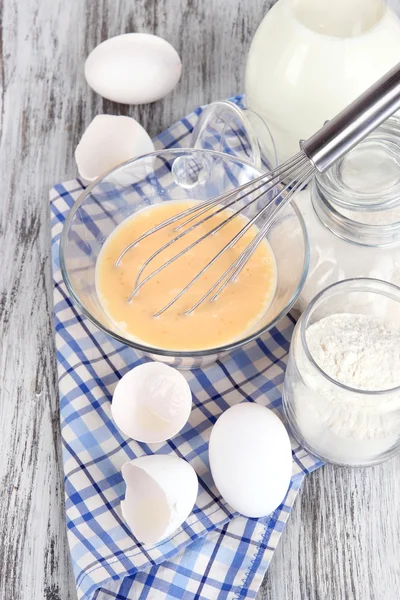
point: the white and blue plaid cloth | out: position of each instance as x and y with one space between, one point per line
216 554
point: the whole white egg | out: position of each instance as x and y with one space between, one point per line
133 68
251 459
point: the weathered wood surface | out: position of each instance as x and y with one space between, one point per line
343 539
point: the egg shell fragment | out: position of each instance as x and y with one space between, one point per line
161 491
133 68
108 141
151 403
251 459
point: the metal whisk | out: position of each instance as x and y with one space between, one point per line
337 137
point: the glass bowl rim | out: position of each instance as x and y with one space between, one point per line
306 315
178 353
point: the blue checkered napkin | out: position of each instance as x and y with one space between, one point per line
216 553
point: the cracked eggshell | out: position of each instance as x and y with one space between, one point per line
251 459
133 68
151 403
161 491
108 141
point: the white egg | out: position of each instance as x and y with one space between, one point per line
108 141
161 491
151 403
134 68
251 459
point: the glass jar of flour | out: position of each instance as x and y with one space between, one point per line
341 395
352 215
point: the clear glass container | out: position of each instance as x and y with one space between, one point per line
235 129
310 58
336 423
352 215
173 175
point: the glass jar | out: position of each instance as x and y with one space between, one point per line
336 423
310 58
352 215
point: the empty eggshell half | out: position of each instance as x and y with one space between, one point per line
108 141
161 491
151 403
133 68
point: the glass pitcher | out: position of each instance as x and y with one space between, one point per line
310 58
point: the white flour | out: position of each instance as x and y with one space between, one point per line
362 352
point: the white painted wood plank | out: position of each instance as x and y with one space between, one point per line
342 539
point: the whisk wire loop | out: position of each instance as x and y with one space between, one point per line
248 252
234 270
291 167
208 204
232 242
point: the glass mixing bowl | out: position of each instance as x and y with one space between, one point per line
178 174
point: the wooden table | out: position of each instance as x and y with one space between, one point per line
343 538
